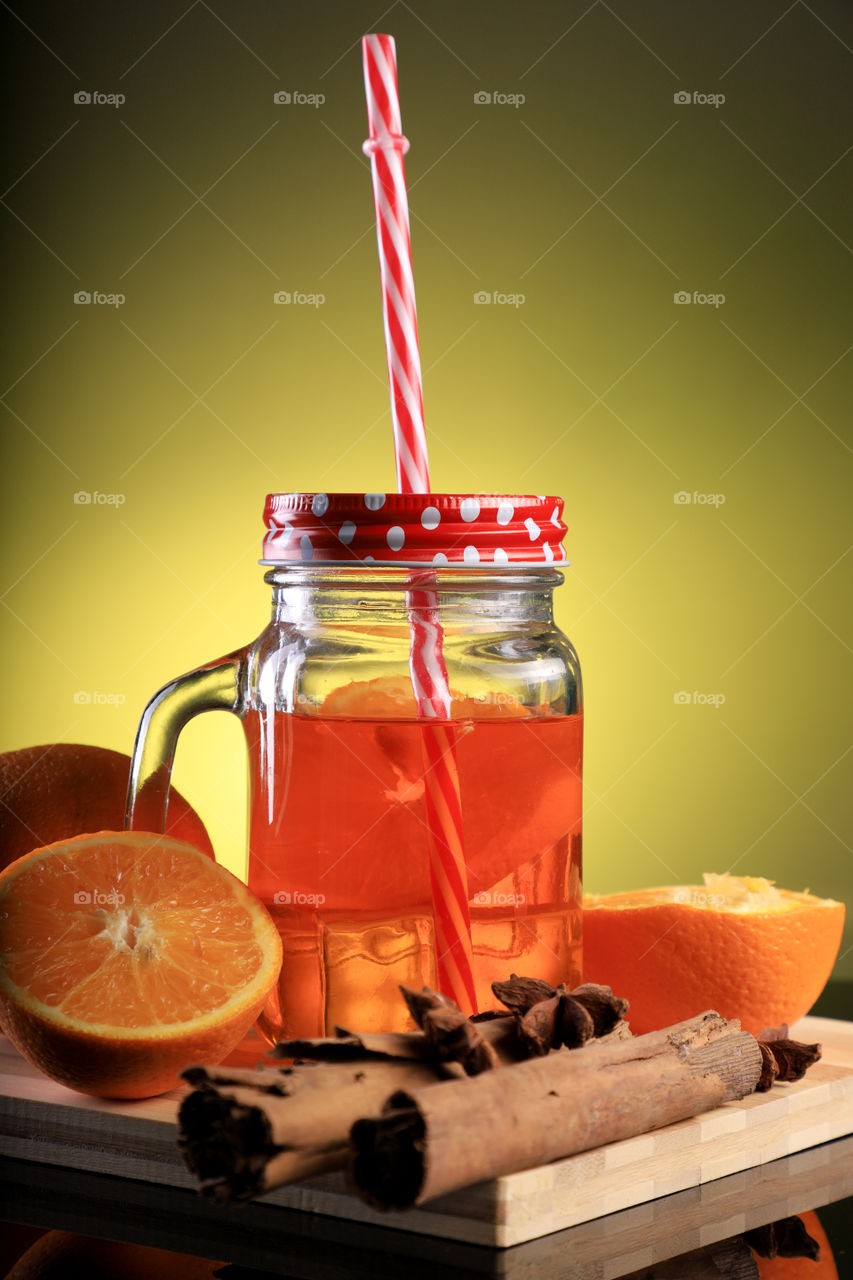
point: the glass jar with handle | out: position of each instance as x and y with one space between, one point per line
342 828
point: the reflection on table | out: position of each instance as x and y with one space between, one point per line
705 1231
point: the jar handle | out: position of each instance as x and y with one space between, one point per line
214 687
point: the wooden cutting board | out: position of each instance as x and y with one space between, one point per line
43 1122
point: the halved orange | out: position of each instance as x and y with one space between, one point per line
125 957
736 944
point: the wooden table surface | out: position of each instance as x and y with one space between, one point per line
44 1124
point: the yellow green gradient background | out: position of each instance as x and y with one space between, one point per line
598 199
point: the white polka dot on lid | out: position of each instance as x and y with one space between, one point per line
306 548
469 509
471 555
500 556
532 528
430 518
440 558
395 537
320 504
505 513
547 552
374 501
555 517
346 533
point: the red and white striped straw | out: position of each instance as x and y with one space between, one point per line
442 796
386 147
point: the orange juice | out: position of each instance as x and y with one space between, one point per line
338 850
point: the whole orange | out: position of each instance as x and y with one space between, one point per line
66 789
735 944
125 957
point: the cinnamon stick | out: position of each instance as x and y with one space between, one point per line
432 1140
244 1132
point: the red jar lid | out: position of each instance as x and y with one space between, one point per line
485 529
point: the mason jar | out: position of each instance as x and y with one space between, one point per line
414 721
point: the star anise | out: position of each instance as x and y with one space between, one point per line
769 1069
784 1061
550 1017
454 1037
786 1238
